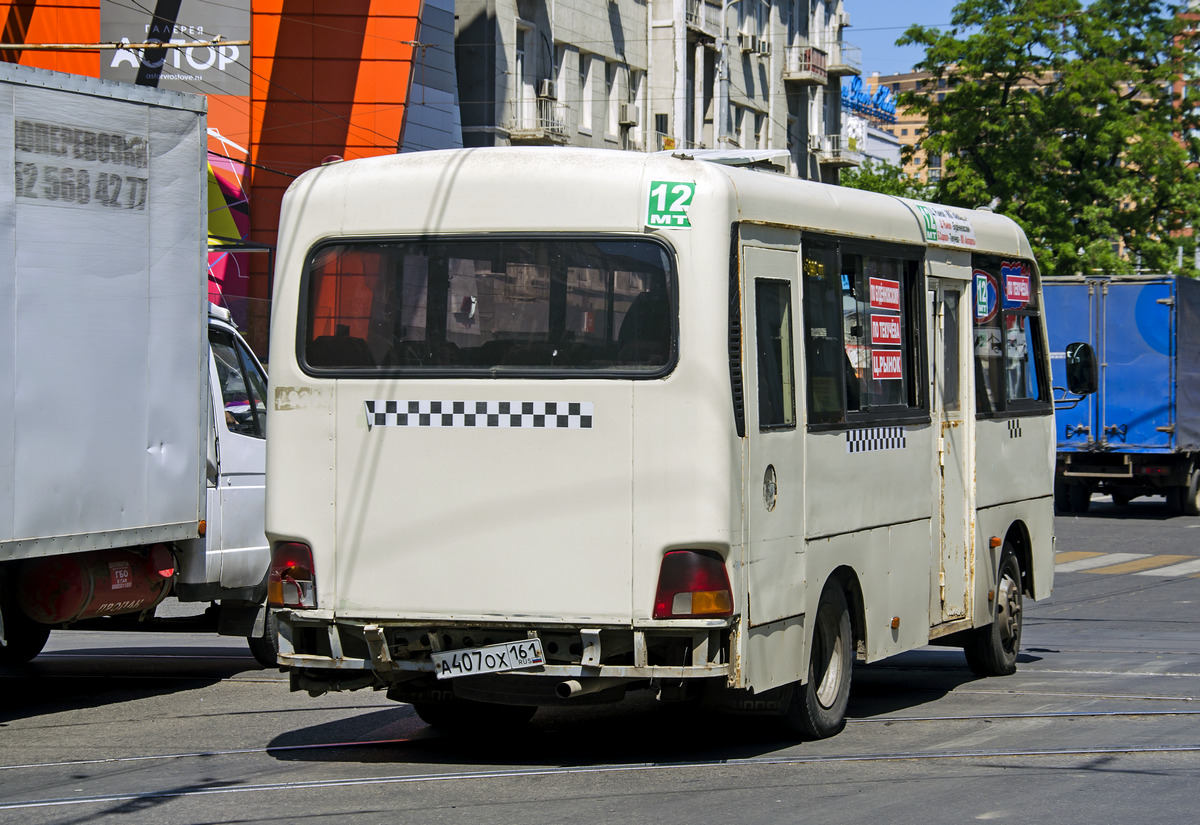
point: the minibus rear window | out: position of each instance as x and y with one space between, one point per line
511 305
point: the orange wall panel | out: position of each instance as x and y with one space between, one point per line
52 21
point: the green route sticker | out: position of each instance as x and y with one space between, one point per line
669 203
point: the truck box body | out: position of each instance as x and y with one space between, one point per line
1142 427
131 422
102 334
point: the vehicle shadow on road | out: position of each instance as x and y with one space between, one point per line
637 730
78 679
1148 509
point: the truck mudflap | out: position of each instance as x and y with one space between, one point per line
336 654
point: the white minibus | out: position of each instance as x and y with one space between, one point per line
550 425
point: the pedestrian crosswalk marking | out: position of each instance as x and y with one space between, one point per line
1150 564
1187 568
1074 555
1138 564
1103 560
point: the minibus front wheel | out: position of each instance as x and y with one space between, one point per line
992 650
817 708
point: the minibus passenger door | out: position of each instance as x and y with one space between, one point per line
773 495
951 359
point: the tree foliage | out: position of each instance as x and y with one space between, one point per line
881 176
1067 117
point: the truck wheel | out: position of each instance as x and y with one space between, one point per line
467 716
1080 496
817 709
265 648
1062 497
992 650
24 638
1191 495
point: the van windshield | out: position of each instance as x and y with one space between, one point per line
462 306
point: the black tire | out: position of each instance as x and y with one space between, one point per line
1062 497
1190 506
467 716
817 709
1175 499
992 650
1121 498
1080 497
23 637
265 648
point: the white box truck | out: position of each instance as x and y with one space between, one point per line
132 426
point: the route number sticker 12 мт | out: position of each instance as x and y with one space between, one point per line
669 203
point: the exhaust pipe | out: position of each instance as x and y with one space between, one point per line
574 688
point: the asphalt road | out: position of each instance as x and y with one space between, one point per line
1100 724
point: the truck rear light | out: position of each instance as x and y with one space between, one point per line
291 582
693 584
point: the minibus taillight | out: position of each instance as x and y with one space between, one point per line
693 584
290 582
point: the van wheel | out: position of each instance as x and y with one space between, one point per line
817 708
992 650
265 648
467 716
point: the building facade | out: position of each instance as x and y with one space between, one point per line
654 75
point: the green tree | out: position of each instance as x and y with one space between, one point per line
1065 117
881 176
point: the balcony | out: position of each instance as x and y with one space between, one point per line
704 18
538 122
805 66
837 151
844 58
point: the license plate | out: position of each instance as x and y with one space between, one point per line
489 659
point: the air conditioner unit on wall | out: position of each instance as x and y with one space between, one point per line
548 89
628 114
748 42
764 46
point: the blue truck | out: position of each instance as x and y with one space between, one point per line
1139 434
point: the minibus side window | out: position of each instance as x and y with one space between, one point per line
823 351
862 340
776 381
1009 350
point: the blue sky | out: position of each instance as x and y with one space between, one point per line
875 25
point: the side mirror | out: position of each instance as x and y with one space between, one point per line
1081 369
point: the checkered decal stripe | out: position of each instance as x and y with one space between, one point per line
548 415
876 439
1014 428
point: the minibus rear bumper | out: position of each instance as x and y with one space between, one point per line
326 653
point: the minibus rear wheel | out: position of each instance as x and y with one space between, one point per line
462 716
992 650
817 709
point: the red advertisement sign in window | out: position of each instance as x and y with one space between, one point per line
886 365
885 330
885 294
1016 288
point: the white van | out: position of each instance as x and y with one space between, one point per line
554 423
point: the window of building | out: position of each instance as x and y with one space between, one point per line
587 93
612 97
776 375
1009 350
863 318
